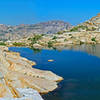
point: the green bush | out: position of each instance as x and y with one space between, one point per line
55 37
70 34
81 42
75 29
60 32
87 22
93 39
35 38
65 39
29 38
18 44
2 43
50 44
93 28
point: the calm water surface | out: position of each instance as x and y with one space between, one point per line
79 65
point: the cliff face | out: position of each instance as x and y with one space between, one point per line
17 77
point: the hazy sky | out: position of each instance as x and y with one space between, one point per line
34 11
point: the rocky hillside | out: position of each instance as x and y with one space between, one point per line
92 24
19 31
19 80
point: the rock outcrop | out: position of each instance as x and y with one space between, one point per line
92 24
17 77
66 39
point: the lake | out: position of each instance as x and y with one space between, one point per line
78 65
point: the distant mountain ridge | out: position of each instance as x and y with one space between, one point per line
19 31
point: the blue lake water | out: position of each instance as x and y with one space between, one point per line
79 66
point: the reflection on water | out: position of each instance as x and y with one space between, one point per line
80 70
36 50
90 49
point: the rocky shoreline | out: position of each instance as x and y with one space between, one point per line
55 40
20 81
84 33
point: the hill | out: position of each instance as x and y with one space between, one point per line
92 24
24 30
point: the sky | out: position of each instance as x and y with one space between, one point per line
16 12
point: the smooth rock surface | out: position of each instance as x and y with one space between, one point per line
18 80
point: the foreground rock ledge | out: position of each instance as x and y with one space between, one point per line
17 74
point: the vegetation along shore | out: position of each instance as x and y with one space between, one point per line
84 33
16 73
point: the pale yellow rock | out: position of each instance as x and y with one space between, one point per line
19 80
7 90
17 72
50 60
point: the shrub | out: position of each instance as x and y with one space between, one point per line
42 34
75 29
60 32
65 39
50 44
35 38
72 37
70 34
93 39
18 44
29 38
93 28
81 42
55 37
2 43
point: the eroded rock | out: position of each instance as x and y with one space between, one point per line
17 75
